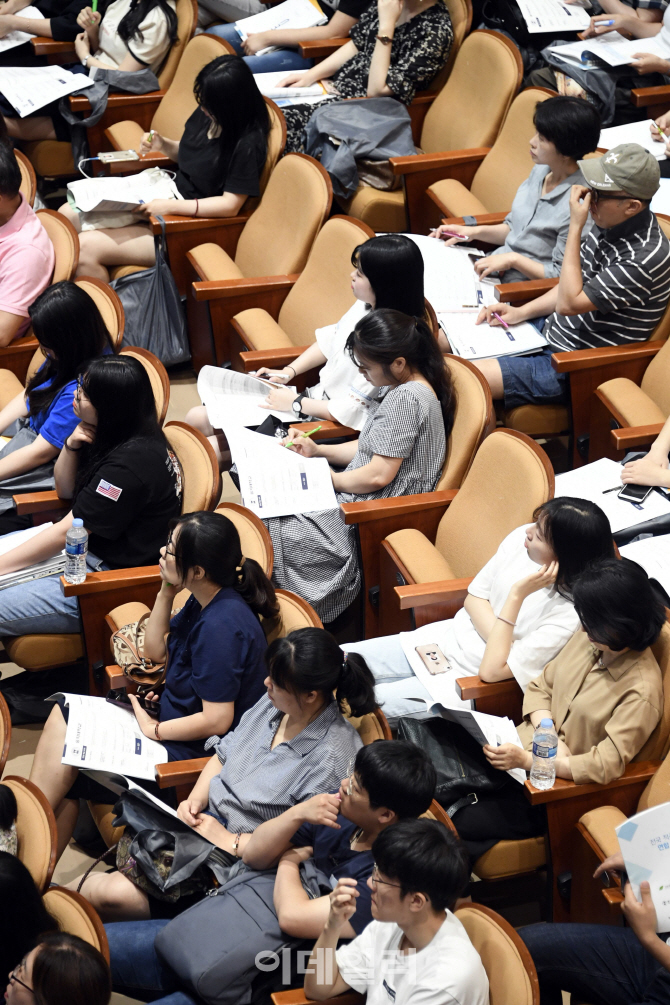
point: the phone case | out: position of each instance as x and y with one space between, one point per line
433 659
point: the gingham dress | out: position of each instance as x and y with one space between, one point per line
315 553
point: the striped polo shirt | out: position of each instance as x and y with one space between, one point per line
626 272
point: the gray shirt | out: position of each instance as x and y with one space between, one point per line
539 223
256 783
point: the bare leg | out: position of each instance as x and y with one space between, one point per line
56 779
197 417
493 375
100 249
114 897
38 128
72 215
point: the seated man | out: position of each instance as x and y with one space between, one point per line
261 909
26 253
415 950
612 289
603 964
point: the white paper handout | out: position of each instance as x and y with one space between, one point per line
591 482
473 341
267 85
492 729
291 14
653 554
644 841
234 399
276 481
449 279
119 784
661 201
551 15
611 48
49 567
28 88
107 737
121 194
14 38
632 132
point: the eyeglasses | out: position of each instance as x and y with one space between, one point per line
79 388
17 980
598 196
350 777
376 881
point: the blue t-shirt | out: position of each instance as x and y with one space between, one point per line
216 655
59 420
333 856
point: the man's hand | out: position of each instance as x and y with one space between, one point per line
644 62
507 756
297 855
342 904
640 916
645 471
545 576
580 203
322 810
495 263
511 315
612 862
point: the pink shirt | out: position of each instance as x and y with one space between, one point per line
26 262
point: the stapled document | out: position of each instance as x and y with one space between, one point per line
291 14
234 399
28 88
473 341
552 15
633 132
644 841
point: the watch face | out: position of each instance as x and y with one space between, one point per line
296 407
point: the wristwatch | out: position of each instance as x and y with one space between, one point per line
296 406
384 39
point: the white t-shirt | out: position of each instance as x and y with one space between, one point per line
544 625
349 394
664 34
448 971
151 49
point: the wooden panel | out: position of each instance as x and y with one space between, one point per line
180 772
222 311
185 233
503 697
16 356
587 904
523 293
318 50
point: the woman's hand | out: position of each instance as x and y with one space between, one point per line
645 472
300 444
151 142
662 122
510 315
83 433
254 43
168 589
448 228
507 756
88 18
295 79
276 376
157 207
389 12
82 46
495 263
189 811
580 203
545 576
342 904
644 62
146 723
279 398
6 24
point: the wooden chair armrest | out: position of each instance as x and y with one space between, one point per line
254 359
181 224
80 103
328 430
44 46
115 677
112 579
483 220
587 359
379 509
643 96
635 436
180 772
318 49
39 502
476 688
522 293
217 289
639 771
424 594
296 996
415 163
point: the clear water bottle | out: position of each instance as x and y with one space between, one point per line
76 550
545 744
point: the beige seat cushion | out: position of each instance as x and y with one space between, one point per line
631 402
77 917
261 331
36 830
294 613
455 199
600 824
472 415
126 135
39 652
119 271
383 211
255 539
212 262
10 386
507 858
509 981
421 558
368 727
657 746
538 420
200 481
657 790
50 158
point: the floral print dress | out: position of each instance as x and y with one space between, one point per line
419 50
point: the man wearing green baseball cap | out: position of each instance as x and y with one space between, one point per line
613 288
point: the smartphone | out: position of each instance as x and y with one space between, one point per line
634 493
433 659
109 156
119 696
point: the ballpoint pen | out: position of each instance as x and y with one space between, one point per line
303 436
500 319
450 233
94 8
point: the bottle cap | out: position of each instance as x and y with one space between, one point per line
549 723
77 522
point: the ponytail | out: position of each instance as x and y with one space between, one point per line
256 589
309 659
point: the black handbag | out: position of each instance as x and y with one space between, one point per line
463 773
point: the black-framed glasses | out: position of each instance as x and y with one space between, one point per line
17 980
598 196
377 881
79 388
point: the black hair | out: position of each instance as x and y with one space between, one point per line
67 969
23 916
211 541
397 775
424 857
10 172
571 124
393 265
227 90
309 659
617 606
8 808
65 320
384 335
119 389
578 532
129 26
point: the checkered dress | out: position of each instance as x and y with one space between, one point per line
315 553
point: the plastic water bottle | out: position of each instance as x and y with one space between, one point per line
76 550
545 744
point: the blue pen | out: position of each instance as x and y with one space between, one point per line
604 24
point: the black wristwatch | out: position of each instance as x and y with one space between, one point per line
296 406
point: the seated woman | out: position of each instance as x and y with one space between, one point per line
517 616
214 652
604 693
126 487
23 916
220 160
58 21
70 330
532 239
396 49
293 744
132 35
62 968
400 451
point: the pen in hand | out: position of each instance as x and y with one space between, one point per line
303 436
501 320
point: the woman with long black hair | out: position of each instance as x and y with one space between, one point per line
71 332
220 160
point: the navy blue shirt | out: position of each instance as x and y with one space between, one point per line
334 857
214 654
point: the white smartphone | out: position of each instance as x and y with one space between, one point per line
107 156
634 493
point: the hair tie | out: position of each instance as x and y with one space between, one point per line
238 568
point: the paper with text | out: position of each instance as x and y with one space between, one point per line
49 567
118 195
632 132
234 399
591 482
473 341
551 15
491 729
267 85
28 88
291 15
644 841
612 48
653 554
661 201
450 282
14 38
119 784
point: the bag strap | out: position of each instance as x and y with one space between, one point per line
91 867
468 800
160 242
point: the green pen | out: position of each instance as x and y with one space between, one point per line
94 8
303 436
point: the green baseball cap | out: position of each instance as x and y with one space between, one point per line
626 168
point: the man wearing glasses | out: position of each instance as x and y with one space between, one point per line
613 287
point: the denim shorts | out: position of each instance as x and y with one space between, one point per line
532 380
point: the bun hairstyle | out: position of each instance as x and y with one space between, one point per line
384 335
309 659
211 541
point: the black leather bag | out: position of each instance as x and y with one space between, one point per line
462 769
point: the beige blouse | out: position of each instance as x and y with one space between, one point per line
604 716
